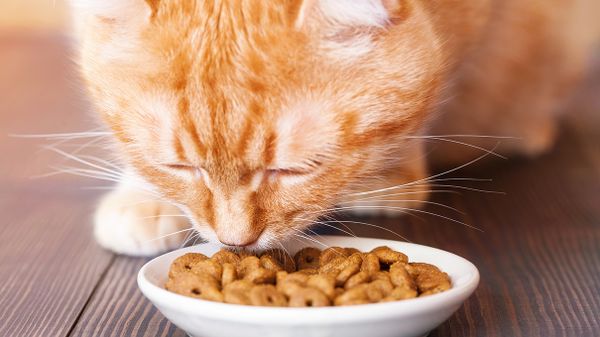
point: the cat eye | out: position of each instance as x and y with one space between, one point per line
290 176
304 170
180 166
287 172
184 169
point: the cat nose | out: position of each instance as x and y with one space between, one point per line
238 244
238 238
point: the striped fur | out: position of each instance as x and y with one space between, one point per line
252 115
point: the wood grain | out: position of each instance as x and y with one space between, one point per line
539 256
538 247
49 265
119 309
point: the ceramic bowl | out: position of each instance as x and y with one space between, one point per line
408 318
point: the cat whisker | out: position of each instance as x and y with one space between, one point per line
197 238
434 191
187 237
307 237
328 225
76 148
68 135
170 234
80 147
140 202
297 240
336 209
311 240
442 139
101 173
80 160
284 249
103 161
194 236
461 179
341 223
406 200
463 136
428 178
94 172
164 216
377 226
101 188
341 209
407 209
298 237
77 172
403 194
93 143
314 234
466 188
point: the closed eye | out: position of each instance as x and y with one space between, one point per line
291 176
295 172
288 171
184 170
180 166
305 168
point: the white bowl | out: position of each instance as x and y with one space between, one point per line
408 318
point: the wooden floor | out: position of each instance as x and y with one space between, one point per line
538 251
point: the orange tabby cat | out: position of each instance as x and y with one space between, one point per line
253 117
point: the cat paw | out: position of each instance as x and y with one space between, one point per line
134 223
538 139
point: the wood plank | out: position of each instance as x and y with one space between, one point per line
119 309
49 263
539 257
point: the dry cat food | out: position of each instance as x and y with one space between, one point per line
312 278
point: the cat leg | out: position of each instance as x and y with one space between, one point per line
397 191
452 145
132 222
514 96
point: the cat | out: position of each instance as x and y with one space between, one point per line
250 119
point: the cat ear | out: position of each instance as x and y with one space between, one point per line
355 13
351 27
347 12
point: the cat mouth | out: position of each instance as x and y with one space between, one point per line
257 245
261 242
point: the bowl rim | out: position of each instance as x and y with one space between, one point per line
322 315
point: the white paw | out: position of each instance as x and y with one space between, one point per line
135 223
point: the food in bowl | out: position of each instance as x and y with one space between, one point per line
312 278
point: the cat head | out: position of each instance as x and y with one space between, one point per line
256 116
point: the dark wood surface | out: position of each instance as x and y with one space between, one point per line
538 251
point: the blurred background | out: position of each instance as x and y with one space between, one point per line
48 15
38 79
